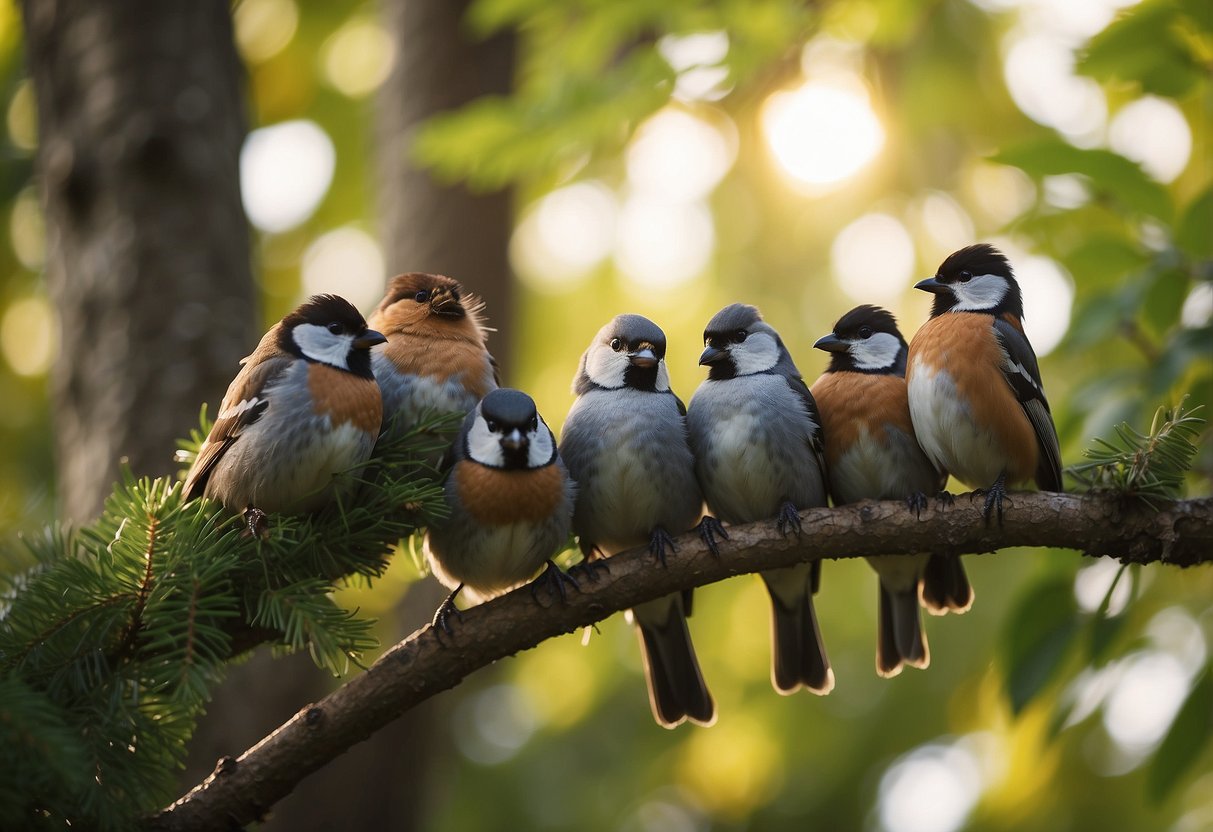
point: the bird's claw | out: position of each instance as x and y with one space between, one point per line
945 498
256 523
659 542
444 612
555 579
709 529
590 568
917 502
788 520
994 497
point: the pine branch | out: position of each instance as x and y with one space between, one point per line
241 791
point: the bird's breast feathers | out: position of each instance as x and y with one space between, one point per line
345 398
495 497
965 413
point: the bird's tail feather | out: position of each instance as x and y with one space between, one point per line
900 638
677 691
945 586
798 655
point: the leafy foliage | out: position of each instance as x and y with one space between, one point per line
110 646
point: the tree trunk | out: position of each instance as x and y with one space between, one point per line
140 120
427 226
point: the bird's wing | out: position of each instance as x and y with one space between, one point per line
817 439
1023 374
243 405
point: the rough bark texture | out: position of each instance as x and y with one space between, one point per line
242 790
141 120
428 226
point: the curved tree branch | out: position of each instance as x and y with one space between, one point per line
242 790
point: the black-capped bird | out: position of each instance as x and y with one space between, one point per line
873 454
625 444
976 398
757 439
303 408
510 503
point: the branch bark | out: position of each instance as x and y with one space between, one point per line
242 790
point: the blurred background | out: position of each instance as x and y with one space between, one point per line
573 160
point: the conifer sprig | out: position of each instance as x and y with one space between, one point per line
1149 465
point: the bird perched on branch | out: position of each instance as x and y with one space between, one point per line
436 359
757 439
976 398
510 502
625 444
303 408
873 454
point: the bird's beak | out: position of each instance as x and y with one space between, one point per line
444 302
711 355
643 357
831 343
513 440
368 339
931 285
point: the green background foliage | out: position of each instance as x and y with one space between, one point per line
1021 707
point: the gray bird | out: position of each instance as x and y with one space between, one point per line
873 454
510 502
757 439
625 443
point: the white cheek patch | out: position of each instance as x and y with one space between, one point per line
875 353
540 446
483 445
605 367
756 354
983 291
318 344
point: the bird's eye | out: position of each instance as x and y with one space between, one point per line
739 336
422 296
492 425
616 344
964 277
334 328
865 332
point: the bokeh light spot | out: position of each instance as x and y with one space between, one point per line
493 725
1091 585
285 170
346 262
1198 306
22 117
697 59
662 245
264 27
358 57
1153 132
564 236
679 156
931 789
821 134
872 259
1039 71
1048 298
1139 710
29 336
27 230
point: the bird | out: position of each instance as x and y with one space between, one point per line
509 503
625 444
757 439
303 408
872 453
436 360
976 397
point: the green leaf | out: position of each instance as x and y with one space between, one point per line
1146 47
1164 299
1185 741
1193 234
1111 175
1105 628
1037 638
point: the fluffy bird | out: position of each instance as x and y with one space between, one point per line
436 359
510 503
873 454
303 408
757 440
625 444
976 398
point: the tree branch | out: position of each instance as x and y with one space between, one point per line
242 790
